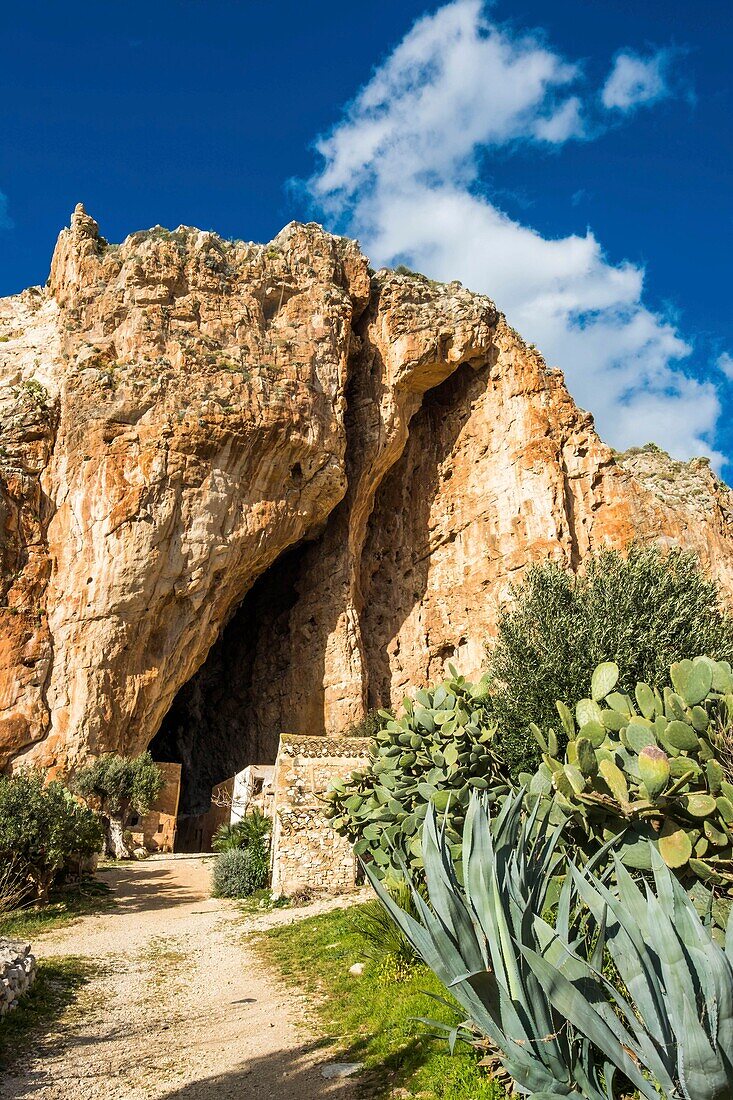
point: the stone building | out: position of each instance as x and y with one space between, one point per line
156 830
306 852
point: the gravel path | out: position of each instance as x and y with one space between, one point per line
181 1008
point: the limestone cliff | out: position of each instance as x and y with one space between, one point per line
247 488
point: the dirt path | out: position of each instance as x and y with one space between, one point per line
181 1008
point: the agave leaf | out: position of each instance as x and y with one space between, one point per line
702 1075
571 1004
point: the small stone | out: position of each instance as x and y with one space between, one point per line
356 970
341 1069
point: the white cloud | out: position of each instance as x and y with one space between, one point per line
634 81
453 84
724 363
402 170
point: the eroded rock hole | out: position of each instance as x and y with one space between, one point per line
226 716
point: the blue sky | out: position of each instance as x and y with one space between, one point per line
571 159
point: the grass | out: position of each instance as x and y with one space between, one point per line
56 985
262 901
372 1020
67 904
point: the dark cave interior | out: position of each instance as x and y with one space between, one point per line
217 724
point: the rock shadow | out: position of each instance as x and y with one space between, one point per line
397 554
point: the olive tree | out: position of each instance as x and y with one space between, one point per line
119 786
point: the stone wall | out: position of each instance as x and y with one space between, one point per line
156 830
17 972
306 852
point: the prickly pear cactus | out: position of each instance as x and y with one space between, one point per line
439 749
646 769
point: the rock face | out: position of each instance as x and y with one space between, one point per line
247 489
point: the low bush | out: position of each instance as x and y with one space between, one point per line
642 771
239 872
228 836
368 726
42 829
254 828
15 889
439 749
643 611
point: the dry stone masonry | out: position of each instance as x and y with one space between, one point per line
17 973
307 853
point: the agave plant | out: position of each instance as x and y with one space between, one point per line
676 1018
471 935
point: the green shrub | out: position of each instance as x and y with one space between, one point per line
368 726
15 888
643 771
254 828
42 827
228 836
239 872
120 786
643 611
437 751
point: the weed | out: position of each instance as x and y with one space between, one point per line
55 988
67 904
36 393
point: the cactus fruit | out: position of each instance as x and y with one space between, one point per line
654 770
646 768
437 751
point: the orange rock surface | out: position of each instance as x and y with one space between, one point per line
347 468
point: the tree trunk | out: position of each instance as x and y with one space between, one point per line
115 842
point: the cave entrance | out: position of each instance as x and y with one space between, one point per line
226 716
